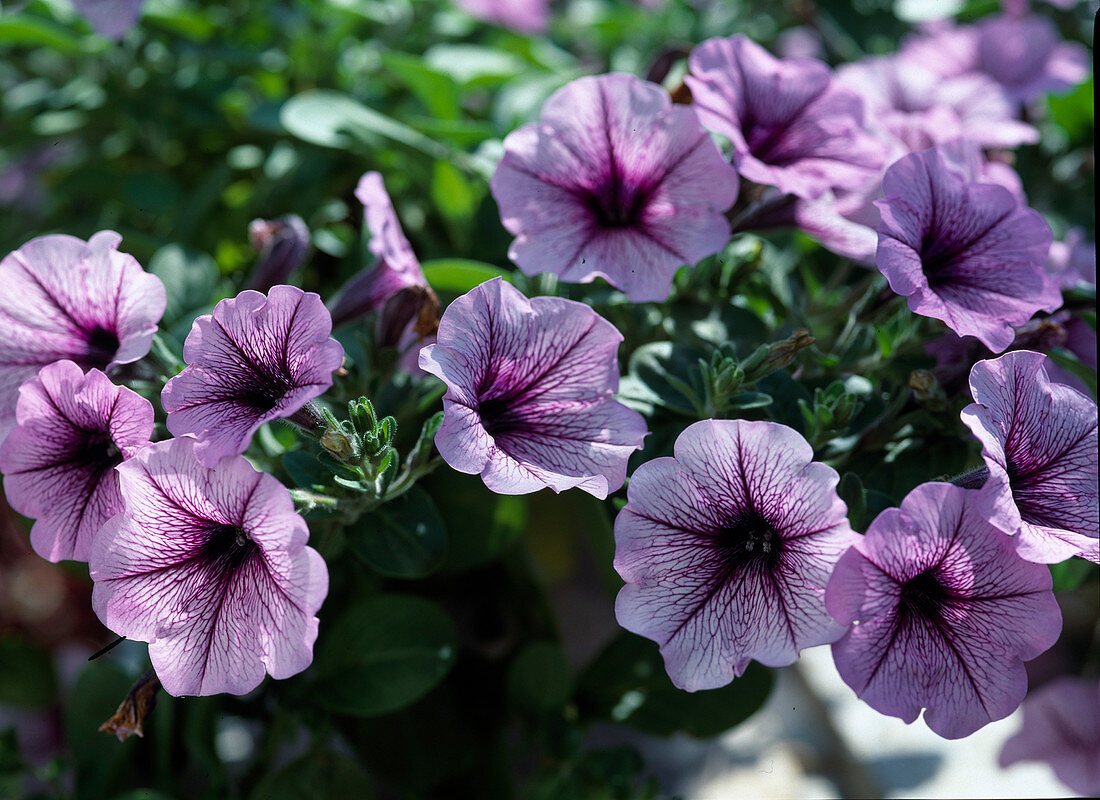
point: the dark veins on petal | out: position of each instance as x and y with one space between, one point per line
941 255
750 540
102 347
258 385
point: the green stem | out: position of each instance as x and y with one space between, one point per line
307 500
169 362
409 476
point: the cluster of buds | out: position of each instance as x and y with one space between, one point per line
359 453
832 411
725 379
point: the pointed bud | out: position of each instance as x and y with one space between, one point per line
283 244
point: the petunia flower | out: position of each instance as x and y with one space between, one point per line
283 245
964 252
256 358
110 18
1039 442
614 182
1061 725
956 355
921 108
58 462
943 613
211 567
845 221
393 287
396 266
726 549
529 393
68 299
525 16
1072 261
1024 54
791 125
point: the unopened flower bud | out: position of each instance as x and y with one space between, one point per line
338 443
283 244
416 304
926 389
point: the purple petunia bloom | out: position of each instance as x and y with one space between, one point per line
614 182
921 109
1039 442
211 567
255 359
110 18
1061 726
1073 260
845 221
964 252
526 16
726 549
396 266
955 355
68 299
394 286
1024 54
59 461
943 613
792 126
283 245
529 393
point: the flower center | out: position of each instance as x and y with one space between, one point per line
102 347
767 144
495 416
262 390
227 547
617 203
97 450
751 538
924 596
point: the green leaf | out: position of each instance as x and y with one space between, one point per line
627 684
333 119
471 64
187 22
384 654
27 678
1074 112
480 524
189 278
322 774
539 678
26 31
746 400
453 194
460 275
1069 361
438 92
99 756
305 470
404 538
655 371
1072 573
